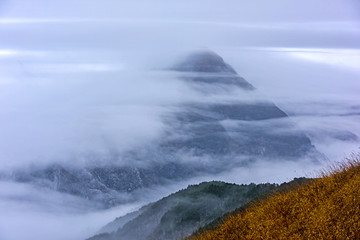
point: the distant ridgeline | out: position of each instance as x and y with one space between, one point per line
180 214
202 137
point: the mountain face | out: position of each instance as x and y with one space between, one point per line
203 137
180 214
235 127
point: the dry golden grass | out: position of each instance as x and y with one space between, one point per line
326 208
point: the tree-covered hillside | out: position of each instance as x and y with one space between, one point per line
181 213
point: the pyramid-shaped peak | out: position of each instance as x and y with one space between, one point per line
204 61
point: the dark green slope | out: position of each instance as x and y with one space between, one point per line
183 212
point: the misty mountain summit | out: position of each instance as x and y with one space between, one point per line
222 126
237 126
209 67
204 61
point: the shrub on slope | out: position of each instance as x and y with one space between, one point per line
326 208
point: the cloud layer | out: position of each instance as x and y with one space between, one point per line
86 77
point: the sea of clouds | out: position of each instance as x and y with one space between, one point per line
89 77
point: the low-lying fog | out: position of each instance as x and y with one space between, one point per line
88 77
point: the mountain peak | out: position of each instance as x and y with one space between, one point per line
204 61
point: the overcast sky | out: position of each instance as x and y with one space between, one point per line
80 76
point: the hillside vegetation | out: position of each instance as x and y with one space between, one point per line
180 214
326 208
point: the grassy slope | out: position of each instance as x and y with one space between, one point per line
326 208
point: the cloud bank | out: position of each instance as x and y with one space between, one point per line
87 78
